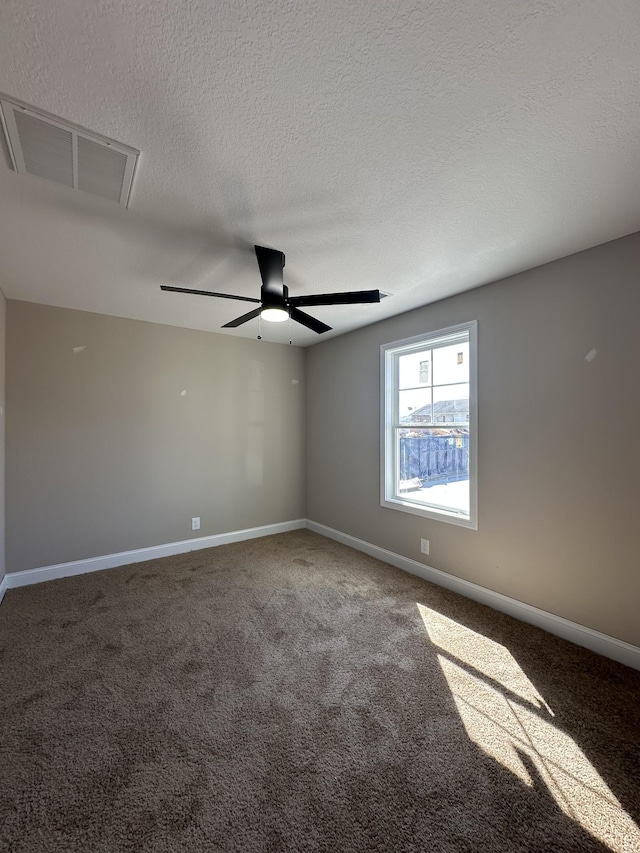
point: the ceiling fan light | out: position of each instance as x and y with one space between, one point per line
274 315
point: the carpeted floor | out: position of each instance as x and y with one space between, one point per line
290 694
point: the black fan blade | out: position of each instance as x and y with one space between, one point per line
271 263
354 297
244 319
310 322
207 293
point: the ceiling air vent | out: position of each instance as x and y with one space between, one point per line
49 147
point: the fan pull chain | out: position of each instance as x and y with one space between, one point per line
259 327
289 327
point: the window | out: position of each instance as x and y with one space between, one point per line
429 425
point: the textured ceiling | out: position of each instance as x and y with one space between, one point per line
420 148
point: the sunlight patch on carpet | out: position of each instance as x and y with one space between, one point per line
504 714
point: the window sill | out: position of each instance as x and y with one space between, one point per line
427 512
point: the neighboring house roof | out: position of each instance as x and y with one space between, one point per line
444 407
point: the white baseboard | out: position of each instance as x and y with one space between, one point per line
579 634
603 644
110 561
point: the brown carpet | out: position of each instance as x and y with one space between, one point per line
289 694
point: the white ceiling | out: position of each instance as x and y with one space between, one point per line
419 148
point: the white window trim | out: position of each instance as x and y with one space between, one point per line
387 387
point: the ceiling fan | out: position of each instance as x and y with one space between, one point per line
275 303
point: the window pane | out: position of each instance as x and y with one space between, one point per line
451 404
414 407
414 369
433 469
451 364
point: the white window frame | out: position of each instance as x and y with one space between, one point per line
389 421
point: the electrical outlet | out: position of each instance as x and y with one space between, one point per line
195 523
424 546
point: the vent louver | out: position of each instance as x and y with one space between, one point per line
49 147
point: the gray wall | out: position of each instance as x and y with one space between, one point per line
105 455
3 313
559 454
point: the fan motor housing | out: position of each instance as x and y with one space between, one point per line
271 298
